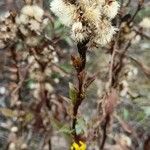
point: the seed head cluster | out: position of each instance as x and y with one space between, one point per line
88 19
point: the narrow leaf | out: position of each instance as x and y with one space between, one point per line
72 93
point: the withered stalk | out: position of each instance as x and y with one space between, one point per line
80 67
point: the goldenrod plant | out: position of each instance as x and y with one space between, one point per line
90 26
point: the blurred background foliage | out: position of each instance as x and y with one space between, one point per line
132 116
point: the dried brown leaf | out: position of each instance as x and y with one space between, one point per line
111 101
89 81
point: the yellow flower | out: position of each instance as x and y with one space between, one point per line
80 146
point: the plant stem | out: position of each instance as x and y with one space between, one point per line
82 49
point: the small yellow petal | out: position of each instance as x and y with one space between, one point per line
75 146
83 146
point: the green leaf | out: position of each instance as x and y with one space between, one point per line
80 126
66 67
60 127
30 82
55 75
8 112
72 93
125 114
57 24
146 110
65 129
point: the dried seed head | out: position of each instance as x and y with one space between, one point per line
88 19
64 11
145 23
33 11
78 33
92 13
105 32
27 10
111 9
38 12
14 129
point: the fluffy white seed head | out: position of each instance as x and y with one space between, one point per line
22 19
145 23
64 11
38 12
27 10
33 11
24 30
136 40
111 9
12 146
49 87
105 33
88 19
34 25
31 15
78 33
14 129
83 3
100 2
92 13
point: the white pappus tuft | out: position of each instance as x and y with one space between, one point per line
33 11
64 11
88 19
77 32
111 9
